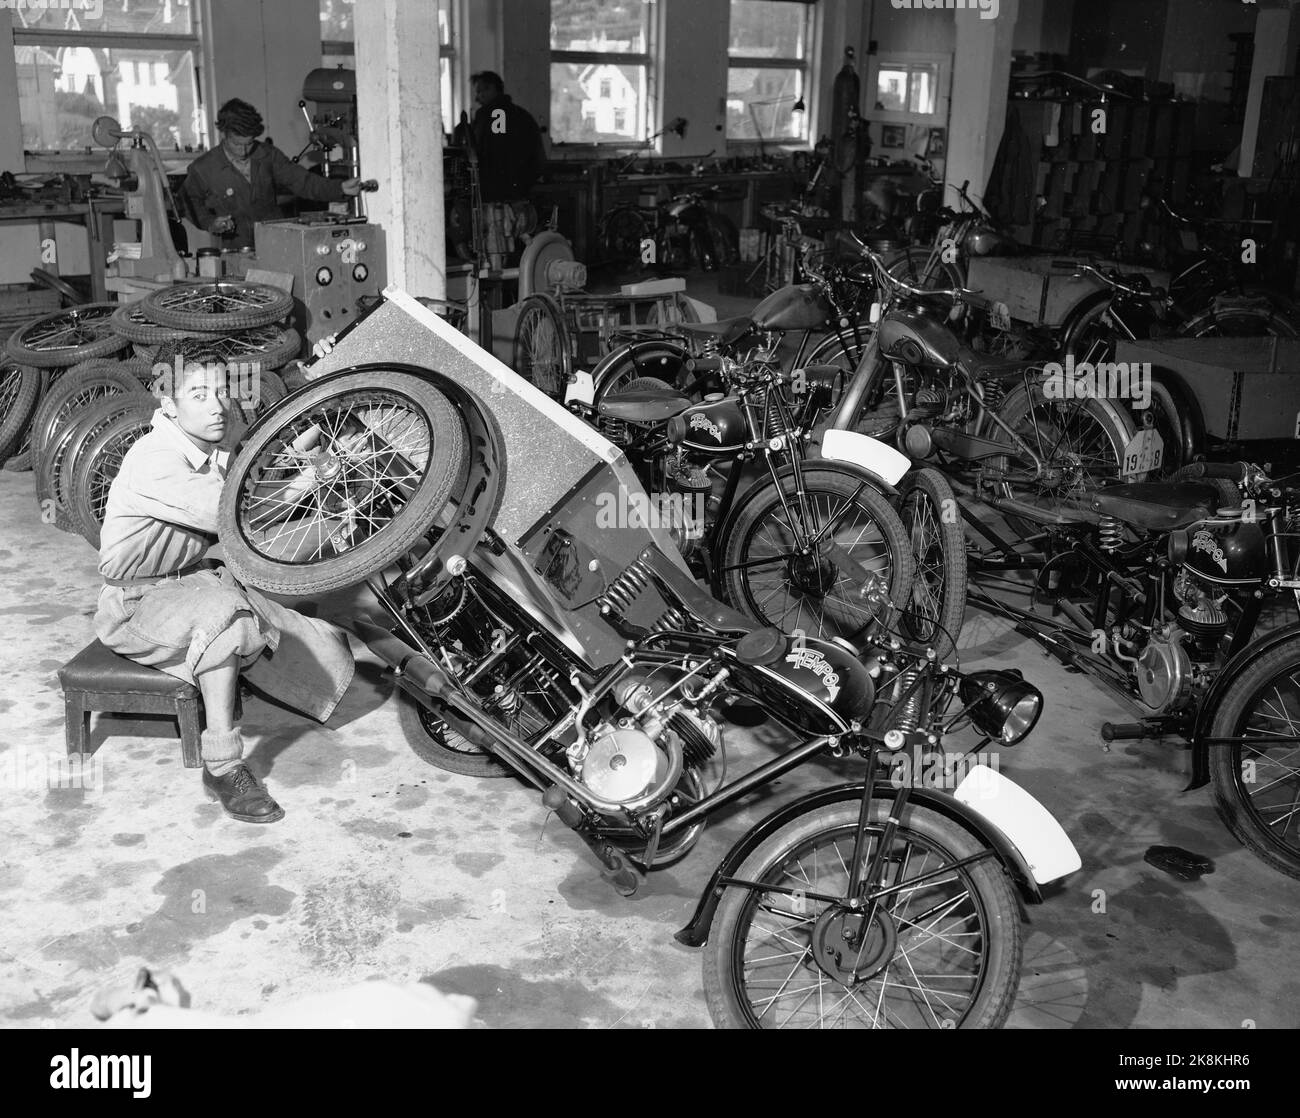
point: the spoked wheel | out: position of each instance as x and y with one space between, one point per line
69 397
542 345
217 307
262 347
1081 443
131 323
339 481
842 523
20 393
1257 782
929 512
943 953
96 467
60 463
66 337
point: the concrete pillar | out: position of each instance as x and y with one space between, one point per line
11 129
400 132
1275 49
981 68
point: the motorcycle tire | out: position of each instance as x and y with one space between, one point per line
216 306
1234 769
304 567
60 461
929 511
71 395
94 469
20 393
759 513
66 337
437 744
620 238
925 841
1107 427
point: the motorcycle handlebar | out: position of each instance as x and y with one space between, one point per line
1232 471
961 294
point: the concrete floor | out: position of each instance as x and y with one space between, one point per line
385 866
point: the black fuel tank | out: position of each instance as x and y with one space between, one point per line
718 427
795 307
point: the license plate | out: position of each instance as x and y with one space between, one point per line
1145 452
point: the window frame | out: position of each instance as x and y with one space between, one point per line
649 59
808 68
456 17
193 42
909 59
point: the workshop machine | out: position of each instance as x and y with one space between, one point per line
334 260
137 170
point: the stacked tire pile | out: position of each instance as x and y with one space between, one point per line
79 387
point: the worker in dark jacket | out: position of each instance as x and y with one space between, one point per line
235 185
507 141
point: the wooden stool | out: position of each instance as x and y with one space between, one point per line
99 679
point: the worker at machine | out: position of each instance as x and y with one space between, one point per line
508 148
236 184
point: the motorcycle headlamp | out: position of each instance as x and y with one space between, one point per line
1001 704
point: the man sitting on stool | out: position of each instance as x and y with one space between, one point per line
165 605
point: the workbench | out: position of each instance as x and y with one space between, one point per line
90 214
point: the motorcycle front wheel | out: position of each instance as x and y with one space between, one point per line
929 512
1256 782
765 576
944 953
383 453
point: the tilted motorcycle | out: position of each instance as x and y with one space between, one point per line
590 664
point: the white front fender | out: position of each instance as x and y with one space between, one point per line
862 450
1030 827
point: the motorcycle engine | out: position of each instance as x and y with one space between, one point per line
623 759
1201 615
1164 671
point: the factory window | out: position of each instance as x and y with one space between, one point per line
907 87
769 69
136 60
601 70
338 48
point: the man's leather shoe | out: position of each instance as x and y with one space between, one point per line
243 796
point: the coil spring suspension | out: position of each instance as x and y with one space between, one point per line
671 618
992 393
908 716
626 588
1110 533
